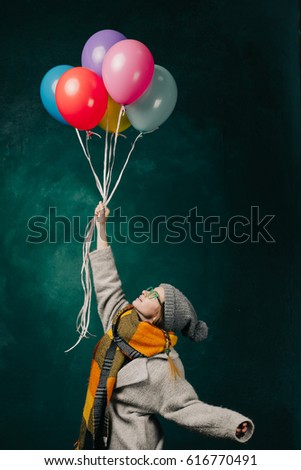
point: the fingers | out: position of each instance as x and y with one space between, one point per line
101 210
242 429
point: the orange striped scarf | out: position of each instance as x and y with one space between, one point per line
128 338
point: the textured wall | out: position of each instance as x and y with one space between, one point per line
232 143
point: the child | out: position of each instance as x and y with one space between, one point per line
136 373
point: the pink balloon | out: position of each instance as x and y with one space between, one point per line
127 70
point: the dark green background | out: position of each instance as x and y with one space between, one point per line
232 143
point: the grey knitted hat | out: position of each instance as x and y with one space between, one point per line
179 314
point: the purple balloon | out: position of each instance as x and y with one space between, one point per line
96 48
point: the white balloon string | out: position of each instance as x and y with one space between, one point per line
121 113
94 133
88 136
112 151
87 155
124 166
111 164
83 317
127 160
98 184
105 163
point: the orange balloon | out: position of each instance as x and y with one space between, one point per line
110 118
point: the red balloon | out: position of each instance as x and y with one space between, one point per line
81 98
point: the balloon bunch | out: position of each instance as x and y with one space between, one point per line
112 65
117 86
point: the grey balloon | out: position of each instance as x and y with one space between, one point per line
156 104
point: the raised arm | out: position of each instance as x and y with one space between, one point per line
102 213
108 289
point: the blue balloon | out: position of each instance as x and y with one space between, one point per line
47 91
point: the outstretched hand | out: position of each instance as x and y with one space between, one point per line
242 429
102 213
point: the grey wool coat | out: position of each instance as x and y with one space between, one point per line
144 387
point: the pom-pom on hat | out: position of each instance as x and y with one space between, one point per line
179 314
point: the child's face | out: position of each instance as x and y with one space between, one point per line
149 309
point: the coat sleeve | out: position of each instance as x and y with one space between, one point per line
107 285
179 402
